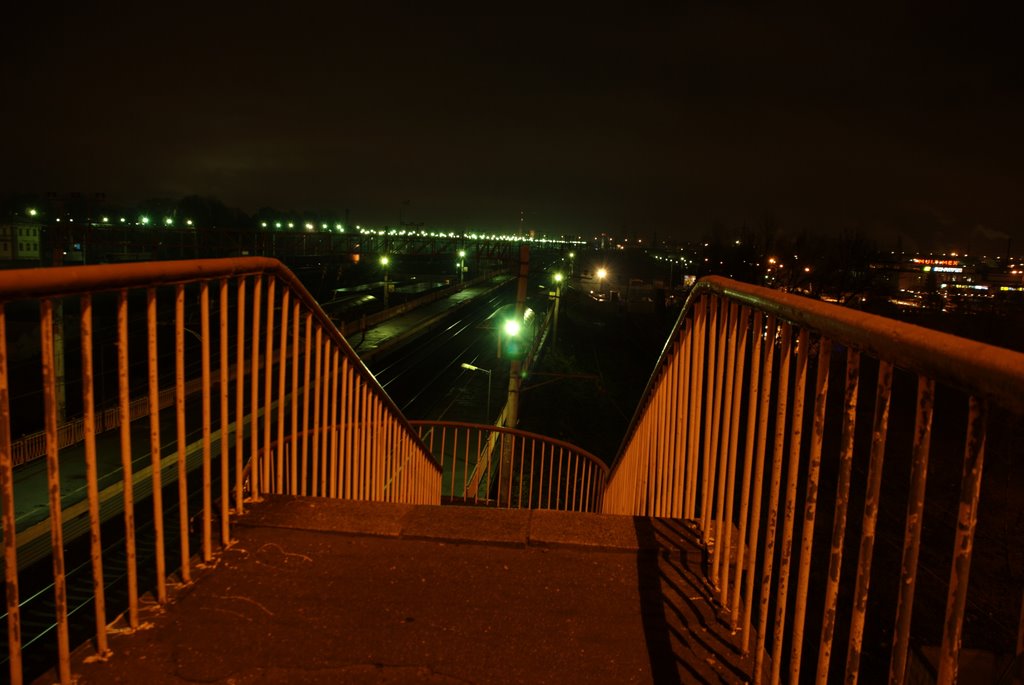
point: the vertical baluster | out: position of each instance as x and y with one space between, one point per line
91 478
254 380
268 386
293 479
835 563
810 508
204 302
179 402
912 536
716 357
53 486
533 454
768 555
867 535
967 520
345 458
789 508
754 386
306 437
7 517
225 432
335 406
722 431
696 394
124 414
739 361
154 447
683 456
317 379
240 396
282 364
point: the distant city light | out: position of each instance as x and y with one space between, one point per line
602 273
277 224
122 219
336 226
462 253
188 222
558 278
309 226
32 212
291 224
384 261
512 327
106 220
263 224
144 220
168 221
324 226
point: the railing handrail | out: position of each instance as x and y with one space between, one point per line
978 368
516 431
31 284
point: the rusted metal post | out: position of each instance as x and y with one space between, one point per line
722 425
125 419
254 390
789 510
154 447
912 536
778 453
967 520
7 516
282 366
225 452
758 489
810 508
240 397
179 406
867 535
204 315
91 483
748 466
835 563
53 486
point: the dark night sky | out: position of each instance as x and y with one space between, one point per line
898 121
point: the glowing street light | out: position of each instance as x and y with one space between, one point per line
188 222
168 221
32 211
462 265
144 220
384 262
512 327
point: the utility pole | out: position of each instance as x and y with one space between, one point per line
514 379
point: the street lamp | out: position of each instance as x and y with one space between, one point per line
602 274
470 367
558 299
384 261
462 264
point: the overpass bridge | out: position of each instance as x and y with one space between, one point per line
764 519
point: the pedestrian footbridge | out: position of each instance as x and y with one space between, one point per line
805 494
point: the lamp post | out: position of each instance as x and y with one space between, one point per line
558 300
462 264
470 367
602 274
384 261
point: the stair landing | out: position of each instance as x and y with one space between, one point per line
328 591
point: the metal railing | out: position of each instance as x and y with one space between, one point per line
512 468
281 375
732 434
